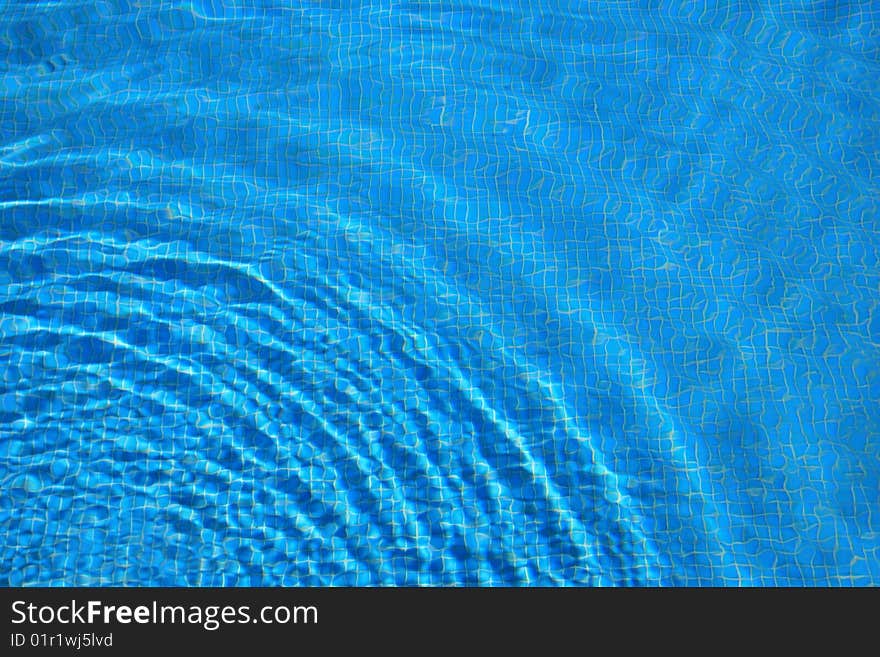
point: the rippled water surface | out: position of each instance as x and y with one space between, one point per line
457 292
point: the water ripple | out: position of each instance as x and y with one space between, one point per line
368 294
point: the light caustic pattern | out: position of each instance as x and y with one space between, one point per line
439 293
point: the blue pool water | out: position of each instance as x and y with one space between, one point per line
449 292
